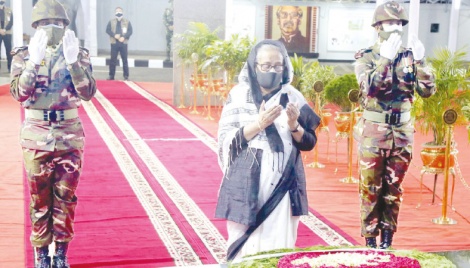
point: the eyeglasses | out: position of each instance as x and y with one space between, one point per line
266 67
294 15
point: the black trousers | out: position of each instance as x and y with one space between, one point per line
115 49
6 39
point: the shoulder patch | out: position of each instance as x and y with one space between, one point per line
17 50
361 52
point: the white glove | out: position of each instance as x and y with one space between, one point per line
37 46
70 43
417 47
389 47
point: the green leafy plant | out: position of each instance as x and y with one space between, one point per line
299 67
336 91
190 46
452 92
316 72
228 55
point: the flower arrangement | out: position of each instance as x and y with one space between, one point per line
343 259
271 258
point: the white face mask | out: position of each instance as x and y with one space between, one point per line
391 28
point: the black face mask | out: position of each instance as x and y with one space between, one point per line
118 15
269 80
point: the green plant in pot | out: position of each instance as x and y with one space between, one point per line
228 55
336 92
452 92
299 66
311 73
190 48
194 41
315 72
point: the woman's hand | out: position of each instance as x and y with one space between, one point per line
267 116
293 113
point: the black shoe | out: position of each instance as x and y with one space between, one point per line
60 256
386 239
126 78
41 258
110 78
43 262
371 242
60 262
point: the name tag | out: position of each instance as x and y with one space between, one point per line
124 30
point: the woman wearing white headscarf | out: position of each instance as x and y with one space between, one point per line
265 123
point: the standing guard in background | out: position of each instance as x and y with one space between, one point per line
168 20
388 75
119 30
50 77
6 24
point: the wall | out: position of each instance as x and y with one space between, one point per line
146 17
429 13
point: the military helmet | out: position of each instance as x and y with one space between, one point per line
49 9
390 11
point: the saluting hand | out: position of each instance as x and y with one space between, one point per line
389 47
71 49
417 47
37 46
267 116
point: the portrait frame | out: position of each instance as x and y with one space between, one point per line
307 26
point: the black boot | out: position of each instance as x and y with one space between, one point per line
60 256
41 258
386 239
371 242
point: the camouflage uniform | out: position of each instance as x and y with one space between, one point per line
387 86
52 149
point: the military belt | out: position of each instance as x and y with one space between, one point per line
51 115
389 118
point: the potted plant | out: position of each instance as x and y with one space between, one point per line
336 92
452 92
315 72
228 55
311 73
299 67
190 47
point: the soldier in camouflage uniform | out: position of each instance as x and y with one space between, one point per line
50 77
388 75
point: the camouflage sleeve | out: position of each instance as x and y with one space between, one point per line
23 75
82 78
425 86
372 75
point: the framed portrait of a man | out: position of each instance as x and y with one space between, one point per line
295 26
